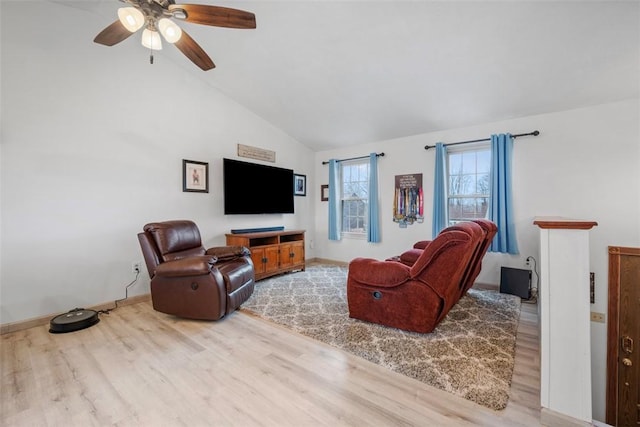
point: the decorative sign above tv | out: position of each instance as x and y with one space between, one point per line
252 188
256 153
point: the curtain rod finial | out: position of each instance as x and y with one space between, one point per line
536 132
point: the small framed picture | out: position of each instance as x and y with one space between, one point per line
195 176
299 185
324 193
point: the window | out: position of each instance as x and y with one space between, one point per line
468 183
354 197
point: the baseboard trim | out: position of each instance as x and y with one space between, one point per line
549 417
44 320
486 286
326 261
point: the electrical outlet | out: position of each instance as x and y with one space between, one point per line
527 261
597 317
135 267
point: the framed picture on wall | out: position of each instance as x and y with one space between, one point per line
324 193
299 185
195 176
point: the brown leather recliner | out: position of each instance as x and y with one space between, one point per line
414 298
189 281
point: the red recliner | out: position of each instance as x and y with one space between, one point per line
490 229
414 298
189 281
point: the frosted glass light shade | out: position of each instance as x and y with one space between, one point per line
169 30
151 39
131 18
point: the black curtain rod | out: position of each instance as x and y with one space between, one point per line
355 158
534 133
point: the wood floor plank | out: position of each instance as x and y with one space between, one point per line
138 367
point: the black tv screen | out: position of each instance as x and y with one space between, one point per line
252 188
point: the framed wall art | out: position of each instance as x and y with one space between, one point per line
408 201
324 193
195 176
299 185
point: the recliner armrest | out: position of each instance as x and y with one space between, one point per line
383 274
421 244
191 266
225 253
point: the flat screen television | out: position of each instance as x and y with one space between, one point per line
252 188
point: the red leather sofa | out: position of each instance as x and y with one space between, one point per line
417 297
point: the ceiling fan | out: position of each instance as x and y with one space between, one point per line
156 16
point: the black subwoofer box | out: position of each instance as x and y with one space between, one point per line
515 281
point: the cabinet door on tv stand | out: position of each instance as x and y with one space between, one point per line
271 254
285 256
291 254
257 256
297 249
265 259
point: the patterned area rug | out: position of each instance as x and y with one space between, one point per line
470 354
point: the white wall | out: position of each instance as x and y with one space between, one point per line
92 150
585 164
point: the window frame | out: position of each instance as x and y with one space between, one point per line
484 146
359 235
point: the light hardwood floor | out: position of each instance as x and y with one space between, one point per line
138 367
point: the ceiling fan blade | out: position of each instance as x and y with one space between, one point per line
216 15
194 52
114 33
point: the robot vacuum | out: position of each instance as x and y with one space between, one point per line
74 320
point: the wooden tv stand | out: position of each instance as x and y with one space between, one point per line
272 252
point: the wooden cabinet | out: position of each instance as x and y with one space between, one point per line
272 252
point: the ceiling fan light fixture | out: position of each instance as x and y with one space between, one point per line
151 39
169 30
179 13
131 18
149 16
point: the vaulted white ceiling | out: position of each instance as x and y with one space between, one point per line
331 73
